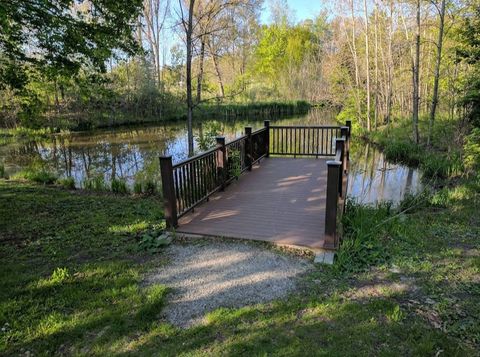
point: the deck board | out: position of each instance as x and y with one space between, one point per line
282 200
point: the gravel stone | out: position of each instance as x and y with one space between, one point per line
206 276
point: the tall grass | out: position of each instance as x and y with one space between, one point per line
39 175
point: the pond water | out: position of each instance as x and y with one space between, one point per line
132 153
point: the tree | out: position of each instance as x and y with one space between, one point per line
59 37
416 75
441 25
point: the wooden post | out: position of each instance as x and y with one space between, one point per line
168 188
333 175
340 145
248 148
266 123
221 162
344 132
349 125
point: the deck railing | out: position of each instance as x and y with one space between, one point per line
337 180
192 181
304 140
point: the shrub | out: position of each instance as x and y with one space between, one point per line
95 184
150 188
137 187
67 182
119 186
37 175
403 152
472 151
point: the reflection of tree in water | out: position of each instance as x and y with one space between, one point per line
130 153
373 179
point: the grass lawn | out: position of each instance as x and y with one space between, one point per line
71 283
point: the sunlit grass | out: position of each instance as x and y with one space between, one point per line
73 283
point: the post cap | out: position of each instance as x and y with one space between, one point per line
165 157
334 163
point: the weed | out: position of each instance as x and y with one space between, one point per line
365 231
95 184
154 241
137 187
41 175
119 186
150 188
67 182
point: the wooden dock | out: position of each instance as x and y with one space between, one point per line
285 185
282 200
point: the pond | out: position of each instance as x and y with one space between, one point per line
132 153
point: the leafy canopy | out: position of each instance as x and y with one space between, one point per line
58 37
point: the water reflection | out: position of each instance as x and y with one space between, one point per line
373 179
129 152
132 153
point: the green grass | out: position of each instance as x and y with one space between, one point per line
442 160
71 276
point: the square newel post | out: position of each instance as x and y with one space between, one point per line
248 148
340 145
345 133
168 188
333 175
266 123
221 162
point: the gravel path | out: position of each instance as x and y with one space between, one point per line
208 275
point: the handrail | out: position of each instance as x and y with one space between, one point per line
192 181
196 157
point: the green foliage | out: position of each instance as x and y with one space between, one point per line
366 232
137 187
2 171
154 241
119 186
472 151
96 183
67 182
40 175
234 163
150 187
59 276
67 37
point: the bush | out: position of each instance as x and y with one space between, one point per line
471 149
137 187
95 184
67 182
150 188
404 152
41 175
119 186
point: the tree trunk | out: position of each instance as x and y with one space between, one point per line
367 63
416 81
437 71
200 70
390 67
219 75
375 120
189 33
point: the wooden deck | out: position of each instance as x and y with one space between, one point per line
282 200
